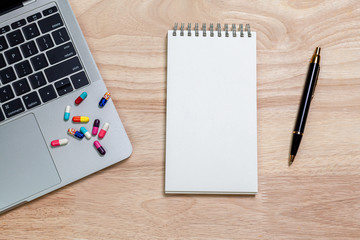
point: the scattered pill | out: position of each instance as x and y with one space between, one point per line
59 142
85 132
75 133
80 119
104 99
96 127
81 98
67 113
104 130
100 149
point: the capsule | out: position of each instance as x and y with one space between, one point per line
67 113
75 133
81 98
96 126
104 99
59 142
104 130
85 132
100 149
80 119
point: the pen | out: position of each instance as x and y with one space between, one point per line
308 94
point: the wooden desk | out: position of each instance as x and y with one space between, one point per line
317 198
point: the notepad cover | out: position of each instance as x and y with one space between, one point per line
211 119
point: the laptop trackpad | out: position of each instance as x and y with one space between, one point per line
26 166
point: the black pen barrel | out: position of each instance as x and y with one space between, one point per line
308 92
295 143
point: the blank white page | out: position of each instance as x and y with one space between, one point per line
211 128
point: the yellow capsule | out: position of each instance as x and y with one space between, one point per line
81 119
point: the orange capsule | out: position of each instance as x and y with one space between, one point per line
80 119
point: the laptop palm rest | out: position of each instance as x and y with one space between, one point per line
26 166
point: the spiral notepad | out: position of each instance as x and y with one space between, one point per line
211 129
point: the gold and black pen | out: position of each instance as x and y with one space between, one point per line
308 94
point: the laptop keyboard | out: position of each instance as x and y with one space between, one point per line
38 63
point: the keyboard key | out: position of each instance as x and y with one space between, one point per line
4 29
34 17
31 100
31 31
63 86
49 11
6 94
7 75
50 23
23 69
13 55
79 80
61 53
39 62
63 69
2 61
2 117
21 87
37 80
60 36
3 44
13 108
15 38
28 49
18 24
47 93
44 42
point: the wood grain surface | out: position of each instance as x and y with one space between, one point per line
317 198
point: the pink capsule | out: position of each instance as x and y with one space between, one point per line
100 149
59 142
96 126
104 130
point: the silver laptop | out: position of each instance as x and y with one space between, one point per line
45 65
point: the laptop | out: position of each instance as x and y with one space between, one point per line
45 65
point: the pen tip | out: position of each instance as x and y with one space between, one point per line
317 50
291 159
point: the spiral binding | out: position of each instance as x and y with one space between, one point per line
241 30
219 29
182 29
248 29
175 29
233 29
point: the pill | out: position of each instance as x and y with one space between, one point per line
81 98
104 99
104 130
85 132
67 113
100 149
75 133
59 142
96 127
80 119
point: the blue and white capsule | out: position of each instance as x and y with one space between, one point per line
67 113
85 132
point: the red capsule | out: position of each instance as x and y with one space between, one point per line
81 98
